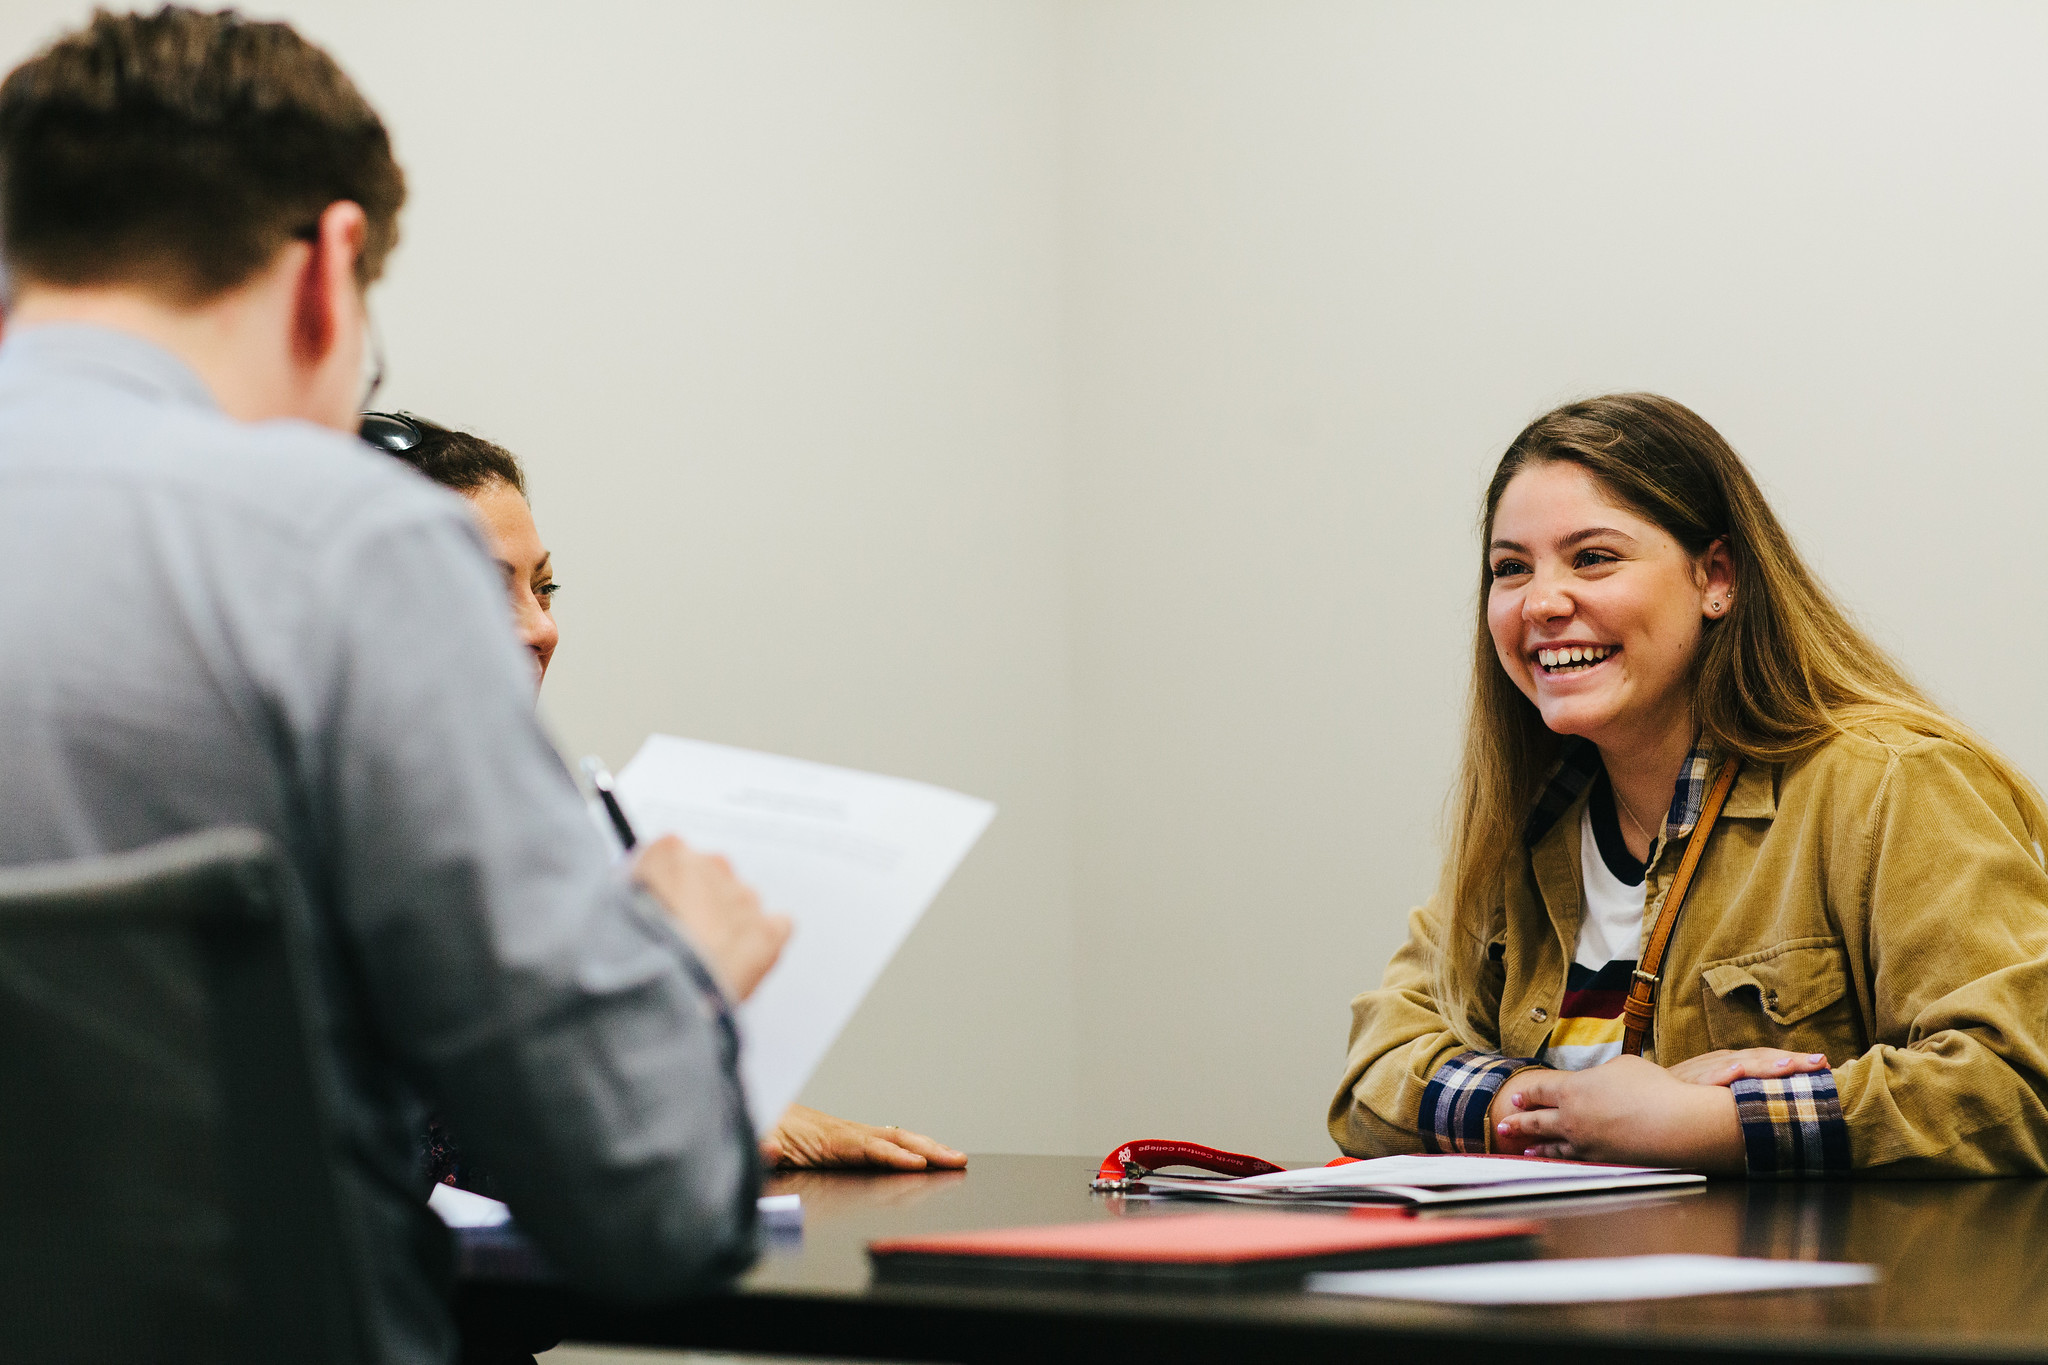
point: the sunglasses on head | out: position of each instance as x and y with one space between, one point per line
391 431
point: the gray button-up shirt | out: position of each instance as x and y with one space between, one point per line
212 623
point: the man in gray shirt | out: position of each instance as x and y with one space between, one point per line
236 614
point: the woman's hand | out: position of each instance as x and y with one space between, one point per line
807 1138
1755 1063
1626 1110
1506 1101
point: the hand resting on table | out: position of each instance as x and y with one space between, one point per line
805 1137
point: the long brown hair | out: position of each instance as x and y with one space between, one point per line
1782 673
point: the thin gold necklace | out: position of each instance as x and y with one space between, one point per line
1648 842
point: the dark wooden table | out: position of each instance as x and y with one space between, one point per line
1964 1264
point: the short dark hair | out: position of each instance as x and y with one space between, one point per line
460 460
182 151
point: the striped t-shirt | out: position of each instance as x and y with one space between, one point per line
1589 1027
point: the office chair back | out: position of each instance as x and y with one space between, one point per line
169 1180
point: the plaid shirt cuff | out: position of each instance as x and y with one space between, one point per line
1455 1101
1792 1126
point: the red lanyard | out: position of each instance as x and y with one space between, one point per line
1134 1160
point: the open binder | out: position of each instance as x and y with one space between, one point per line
1413 1181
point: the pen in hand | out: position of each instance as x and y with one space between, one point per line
601 780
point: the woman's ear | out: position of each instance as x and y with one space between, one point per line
1716 578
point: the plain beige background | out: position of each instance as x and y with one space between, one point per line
1085 406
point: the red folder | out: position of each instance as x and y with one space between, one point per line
1202 1248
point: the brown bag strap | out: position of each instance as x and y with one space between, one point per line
1641 1006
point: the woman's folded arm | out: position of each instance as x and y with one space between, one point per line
1410 1082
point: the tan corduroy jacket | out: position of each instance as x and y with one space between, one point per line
1879 901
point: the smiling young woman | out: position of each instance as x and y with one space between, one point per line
1854 976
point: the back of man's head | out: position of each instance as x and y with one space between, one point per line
178 152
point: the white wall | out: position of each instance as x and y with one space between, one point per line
1085 405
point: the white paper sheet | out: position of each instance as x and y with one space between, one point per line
462 1209
1437 1172
853 858
1427 1180
782 1212
1596 1280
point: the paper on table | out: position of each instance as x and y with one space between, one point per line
458 1208
853 858
1594 1280
781 1212
1425 1180
462 1209
1435 1172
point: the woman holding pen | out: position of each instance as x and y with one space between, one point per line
1724 889
491 478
